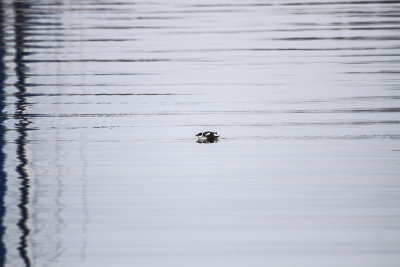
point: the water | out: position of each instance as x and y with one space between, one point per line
101 101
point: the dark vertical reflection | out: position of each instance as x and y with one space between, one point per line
20 9
2 138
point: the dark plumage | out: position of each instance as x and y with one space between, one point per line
207 137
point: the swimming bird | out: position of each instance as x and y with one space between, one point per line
207 137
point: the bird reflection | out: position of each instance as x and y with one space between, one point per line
207 142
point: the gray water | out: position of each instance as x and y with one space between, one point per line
101 101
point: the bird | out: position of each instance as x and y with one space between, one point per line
207 137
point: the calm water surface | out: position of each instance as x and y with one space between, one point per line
100 102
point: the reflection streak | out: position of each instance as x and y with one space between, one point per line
21 126
3 175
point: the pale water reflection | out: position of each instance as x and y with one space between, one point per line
101 101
